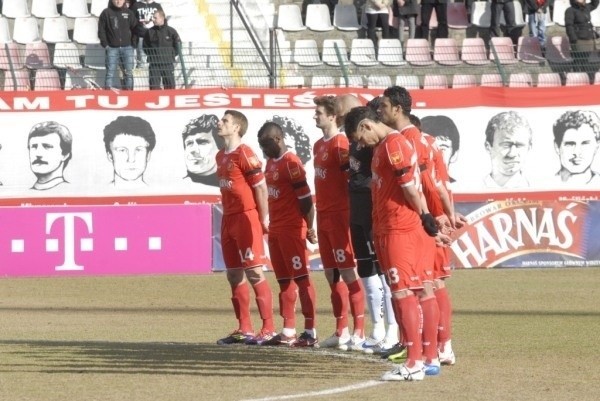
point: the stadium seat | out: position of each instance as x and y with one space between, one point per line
519 18
558 50
66 55
529 50
334 57
548 79
98 6
292 82
44 8
26 30
94 56
520 80
464 81
37 55
390 52
558 15
362 52
284 46
354 81
10 57
82 79
445 51
379 81
457 16
15 8
473 51
322 81
46 80
306 53
257 82
5 36
345 17
435 81
187 27
85 30
418 52
481 14
55 30
318 18
491 80
289 18
577 79
75 8
409 82
505 50
17 80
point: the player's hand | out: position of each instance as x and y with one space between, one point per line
444 224
429 224
442 240
265 226
311 236
459 220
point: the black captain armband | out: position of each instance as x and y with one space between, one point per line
429 224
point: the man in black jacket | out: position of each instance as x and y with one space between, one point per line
144 11
115 31
582 36
161 44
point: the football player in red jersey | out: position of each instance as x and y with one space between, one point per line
331 160
244 199
291 216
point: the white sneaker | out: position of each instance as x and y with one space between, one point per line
353 344
380 347
334 341
446 355
404 373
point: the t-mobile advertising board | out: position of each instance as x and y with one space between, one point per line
116 154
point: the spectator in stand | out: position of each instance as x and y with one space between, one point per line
115 31
144 12
581 33
508 8
441 7
377 11
161 44
406 11
536 15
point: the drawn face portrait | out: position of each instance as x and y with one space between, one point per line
200 150
129 156
509 150
445 145
45 154
577 149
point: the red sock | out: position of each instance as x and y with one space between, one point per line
431 319
264 301
409 307
240 298
339 303
357 306
287 303
308 298
445 326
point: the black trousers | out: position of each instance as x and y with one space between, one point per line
512 30
441 11
164 73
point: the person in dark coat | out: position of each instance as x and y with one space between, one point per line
161 44
441 11
581 34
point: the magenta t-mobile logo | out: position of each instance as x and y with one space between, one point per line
85 244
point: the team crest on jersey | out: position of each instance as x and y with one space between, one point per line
275 175
254 163
325 156
396 157
230 165
295 172
344 154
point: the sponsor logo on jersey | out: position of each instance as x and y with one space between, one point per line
354 164
396 157
253 161
320 173
273 192
295 172
225 184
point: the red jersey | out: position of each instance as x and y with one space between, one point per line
238 171
437 173
394 166
286 181
332 161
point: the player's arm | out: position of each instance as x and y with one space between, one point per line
308 213
446 204
261 197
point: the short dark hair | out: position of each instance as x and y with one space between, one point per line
507 120
267 127
327 102
52 127
129 125
289 127
240 119
575 119
204 123
442 127
374 103
399 96
414 120
354 118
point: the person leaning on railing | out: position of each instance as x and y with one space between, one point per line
581 33
161 44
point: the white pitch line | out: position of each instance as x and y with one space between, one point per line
330 391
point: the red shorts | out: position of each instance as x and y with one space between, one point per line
441 265
289 256
398 255
335 246
427 257
242 240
